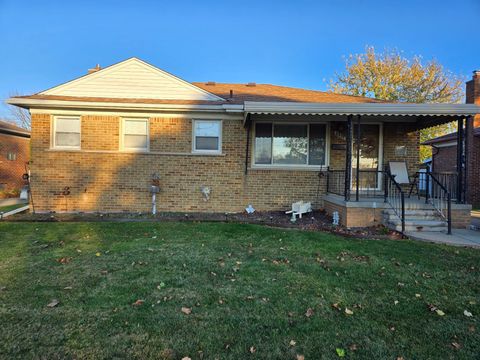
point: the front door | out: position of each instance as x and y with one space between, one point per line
370 157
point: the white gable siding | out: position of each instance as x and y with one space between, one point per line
132 79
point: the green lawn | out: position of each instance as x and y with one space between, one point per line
249 289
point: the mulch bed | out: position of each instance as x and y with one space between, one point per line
315 221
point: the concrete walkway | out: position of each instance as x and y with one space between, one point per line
459 237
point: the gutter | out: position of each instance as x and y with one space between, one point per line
65 104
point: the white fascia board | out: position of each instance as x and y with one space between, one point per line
361 109
61 104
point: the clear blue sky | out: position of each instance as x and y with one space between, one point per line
295 43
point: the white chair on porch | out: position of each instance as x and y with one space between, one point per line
398 169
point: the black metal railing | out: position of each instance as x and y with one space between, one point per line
447 179
369 184
395 197
336 182
438 195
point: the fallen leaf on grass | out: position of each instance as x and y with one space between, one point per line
418 295
292 343
467 313
252 349
161 285
353 347
440 312
395 302
309 312
98 254
139 302
186 310
300 357
340 352
67 288
185 357
64 260
336 307
53 303
456 345
348 311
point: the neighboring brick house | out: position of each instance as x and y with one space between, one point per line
444 148
105 134
14 155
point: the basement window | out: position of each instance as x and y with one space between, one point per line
135 135
286 144
66 132
207 136
11 156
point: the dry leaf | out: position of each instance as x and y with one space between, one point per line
186 310
138 303
64 260
67 288
395 302
353 347
439 312
418 295
253 349
53 303
337 307
300 357
186 358
309 312
293 342
456 345
348 311
98 254
467 313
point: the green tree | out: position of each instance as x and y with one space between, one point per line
390 76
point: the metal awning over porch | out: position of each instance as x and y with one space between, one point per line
424 115
383 109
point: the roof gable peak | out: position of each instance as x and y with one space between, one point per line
132 78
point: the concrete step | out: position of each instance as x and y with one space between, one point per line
418 225
415 212
388 217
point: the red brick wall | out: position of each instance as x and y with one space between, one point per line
445 159
11 171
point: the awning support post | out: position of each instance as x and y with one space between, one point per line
460 159
348 159
357 181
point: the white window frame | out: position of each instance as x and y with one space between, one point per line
293 166
122 135
54 130
220 137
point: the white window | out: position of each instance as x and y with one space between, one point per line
207 136
66 132
135 135
284 144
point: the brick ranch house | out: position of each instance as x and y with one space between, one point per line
444 148
104 134
14 155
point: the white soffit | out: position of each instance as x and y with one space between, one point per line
385 109
132 79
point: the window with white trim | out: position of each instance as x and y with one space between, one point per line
135 135
66 132
207 136
284 144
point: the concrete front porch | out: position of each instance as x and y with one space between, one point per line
373 211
